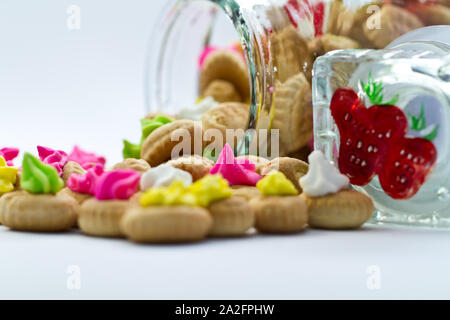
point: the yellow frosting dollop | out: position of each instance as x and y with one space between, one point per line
173 195
8 176
276 184
210 188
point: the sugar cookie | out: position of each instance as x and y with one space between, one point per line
246 192
280 214
293 113
395 21
102 218
24 211
138 165
231 217
225 65
162 224
293 169
158 146
196 165
222 91
229 115
346 209
70 168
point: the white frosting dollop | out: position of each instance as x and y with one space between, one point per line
163 176
322 177
195 112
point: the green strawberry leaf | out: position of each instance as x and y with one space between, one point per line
433 134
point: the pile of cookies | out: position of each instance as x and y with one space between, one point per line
185 199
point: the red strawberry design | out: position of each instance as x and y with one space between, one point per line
406 167
303 9
372 141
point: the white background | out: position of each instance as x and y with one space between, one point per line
60 87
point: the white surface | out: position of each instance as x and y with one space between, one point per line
413 264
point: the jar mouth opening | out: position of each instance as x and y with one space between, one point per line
185 30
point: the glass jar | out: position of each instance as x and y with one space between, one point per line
280 41
383 117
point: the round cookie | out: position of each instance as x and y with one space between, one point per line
229 66
395 22
70 168
246 192
102 218
196 165
20 210
231 217
431 14
289 52
292 168
138 165
222 91
347 209
293 114
229 115
329 42
157 147
259 162
78 197
280 214
166 224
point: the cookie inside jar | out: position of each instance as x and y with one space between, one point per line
246 66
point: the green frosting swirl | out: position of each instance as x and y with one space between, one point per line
132 150
38 177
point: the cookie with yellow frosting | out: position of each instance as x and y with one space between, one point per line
166 224
279 209
292 168
8 177
37 207
167 214
232 216
246 192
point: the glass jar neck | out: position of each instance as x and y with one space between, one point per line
194 20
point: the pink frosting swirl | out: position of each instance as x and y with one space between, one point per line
235 171
9 154
85 183
85 159
54 158
117 184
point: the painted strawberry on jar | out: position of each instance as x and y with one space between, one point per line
373 142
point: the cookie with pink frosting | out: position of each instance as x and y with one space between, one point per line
55 158
235 171
101 216
85 159
9 154
85 183
117 185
